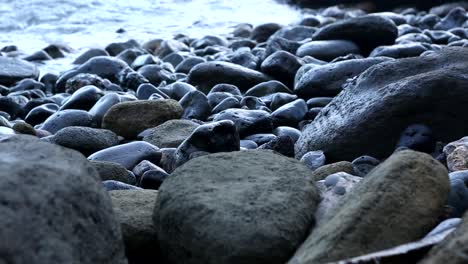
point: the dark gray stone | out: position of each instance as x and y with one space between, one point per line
212 210
60 192
386 99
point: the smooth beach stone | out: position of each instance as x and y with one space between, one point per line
253 103
364 164
207 41
248 122
418 137
85 139
267 88
67 118
111 171
328 80
283 145
145 90
152 179
187 64
144 59
242 43
195 106
291 132
262 32
319 102
143 167
373 105
156 74
248 144
11 105
129 55
117 47
230 102
38 56
217 97
111 185
359 30
213 137
178 90
314 159
296 33
290 114
455 18
280 99
242 30
282 66
128 119
170 134
399 50
91 53
170 46
40 113
275 44
206 75
225 87
14 70
413 37
411 190
83 99
134 211
105 67
129 154
262 209
103 105
61 193
327 50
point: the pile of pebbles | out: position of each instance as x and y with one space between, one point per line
335 138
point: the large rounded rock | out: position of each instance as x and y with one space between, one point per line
328 79
238 207
14 70
53 207
368 32
128 119
386 99
206 75
170 134
399 202
134 210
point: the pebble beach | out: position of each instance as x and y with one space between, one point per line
215 132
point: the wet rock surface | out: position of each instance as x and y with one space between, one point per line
274 143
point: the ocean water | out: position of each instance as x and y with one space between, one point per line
33 24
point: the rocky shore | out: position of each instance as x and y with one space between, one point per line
340 139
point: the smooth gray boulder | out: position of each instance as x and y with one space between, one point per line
237 207
400 201
14 70
53 207
386 99
206 75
